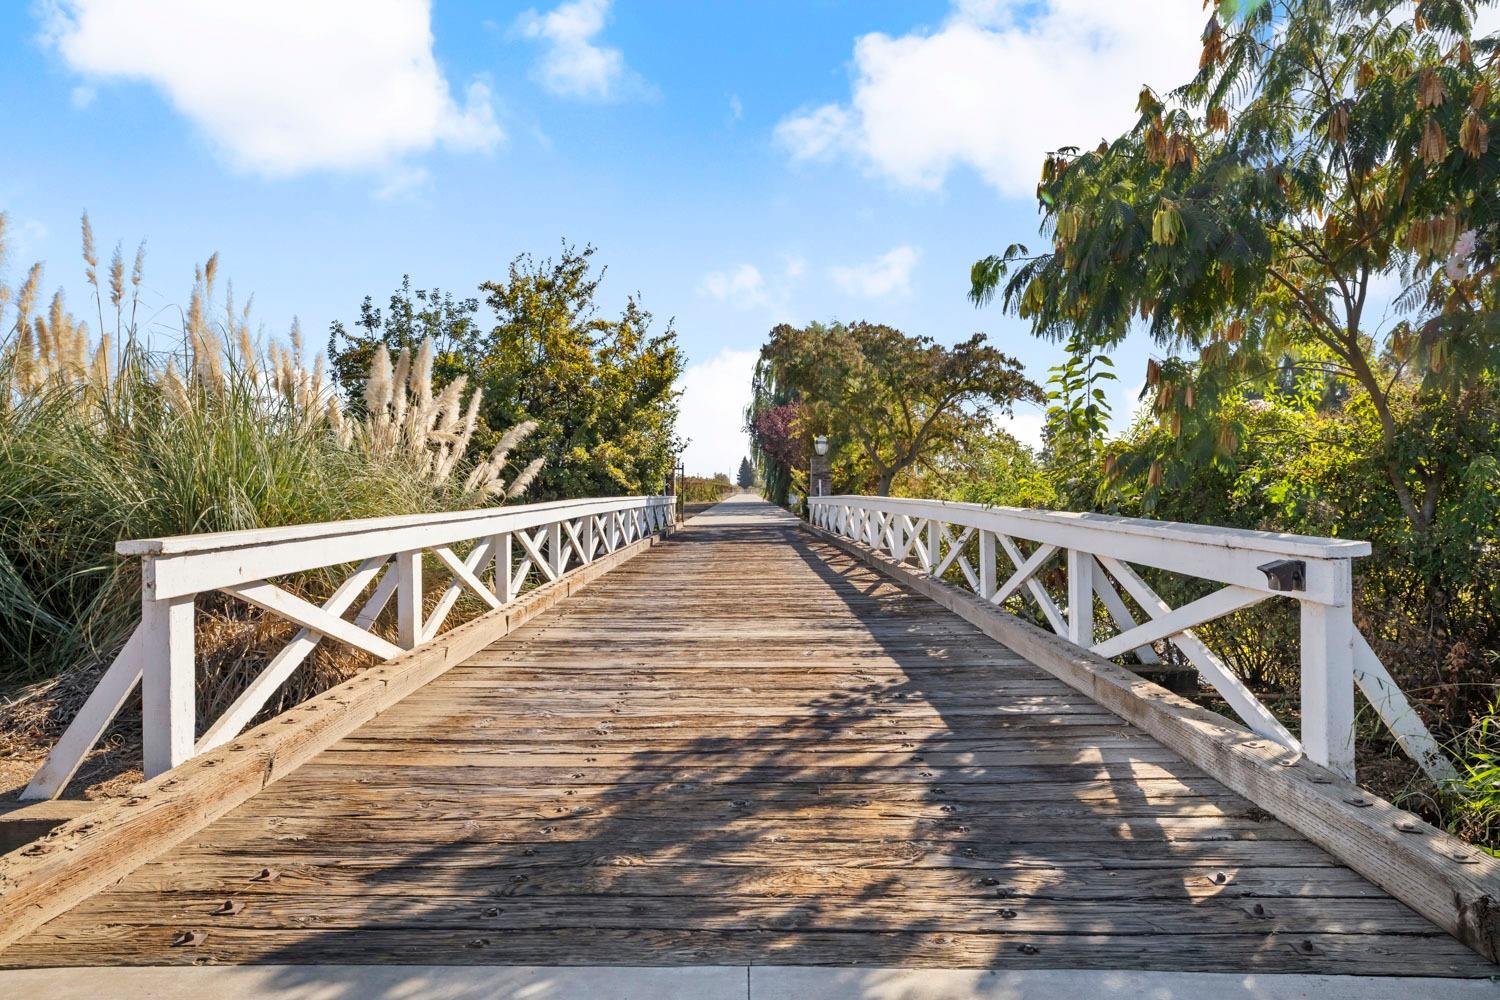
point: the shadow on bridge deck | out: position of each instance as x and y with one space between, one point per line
746 748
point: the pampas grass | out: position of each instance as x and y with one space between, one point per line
107 437
403 417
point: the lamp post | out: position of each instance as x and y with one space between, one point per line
819 476
676 481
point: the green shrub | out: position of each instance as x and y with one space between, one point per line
81 470
1471 805
698 489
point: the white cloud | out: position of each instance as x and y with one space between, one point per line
817 134
283 86
573 63
714 396
886 275
1025 425
26 241
402 182
997 85
746 287
743 287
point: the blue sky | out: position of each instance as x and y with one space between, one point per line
737 164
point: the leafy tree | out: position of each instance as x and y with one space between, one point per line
600 389
771 420
991 468
890 400
410 317
1249 218
746 477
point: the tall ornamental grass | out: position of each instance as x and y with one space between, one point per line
108 437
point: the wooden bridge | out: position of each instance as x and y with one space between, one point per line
754 743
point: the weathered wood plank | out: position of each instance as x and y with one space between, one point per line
792 879
88 853
746 747
1438 875
433 908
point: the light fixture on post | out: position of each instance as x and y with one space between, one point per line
819 476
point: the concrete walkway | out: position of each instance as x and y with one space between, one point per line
435 982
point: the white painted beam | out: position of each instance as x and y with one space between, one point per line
169 710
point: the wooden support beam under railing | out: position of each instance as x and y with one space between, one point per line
556 539
1251 566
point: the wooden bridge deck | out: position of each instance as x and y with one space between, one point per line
743 747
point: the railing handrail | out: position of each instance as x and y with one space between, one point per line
1099 549
1232 556
189 567
511 544
1269 542
219 540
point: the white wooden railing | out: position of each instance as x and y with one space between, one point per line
1099 551
512 543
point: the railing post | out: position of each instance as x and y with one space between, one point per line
408 598
986 564
555 546
504 583
934 544
1328 681
586 536
169 711
1080 597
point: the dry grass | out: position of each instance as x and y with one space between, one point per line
109 436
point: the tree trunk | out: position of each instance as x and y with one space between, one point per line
883 485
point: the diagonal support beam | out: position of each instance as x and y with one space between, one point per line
955 548
916 539
466 571
1172 621
574 539
103 704
1398 715
251 700
1229 686
272 598
518 578
465 575
908 535
1025 570
533 548
1119 611
1033 585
